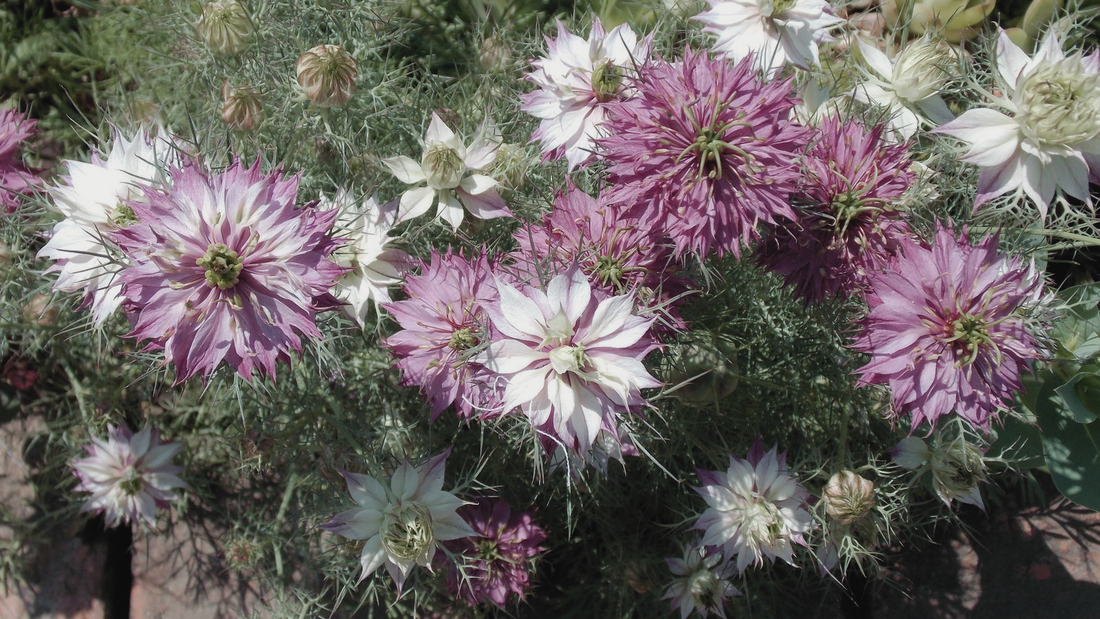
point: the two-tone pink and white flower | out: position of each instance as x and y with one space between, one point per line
446 169
128 475
908 85
570 361
96 199
404 524
773 32
1049 140
702 582
575 79
756 509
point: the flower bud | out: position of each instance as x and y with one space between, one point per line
243 109
923 69
848 497
494 54
328 74
40 310
225 27
509 167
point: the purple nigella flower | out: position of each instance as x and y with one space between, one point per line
705 152
129 475
946 331
846 226
497 561
15 178
225 268
617 254
444 324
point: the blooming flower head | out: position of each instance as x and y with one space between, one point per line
129 475
909 85
957 465
444 325
498 560
373 263
755 509
15 178
570 362
616 253
445 169
704 153
847 224
1052 138
225 268
576 79
702 582
946 328
96 200
773 32
403 524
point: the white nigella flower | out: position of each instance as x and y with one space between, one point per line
129 475
957 465
94 202
1051 135
909 85
702 582
445 169
778 32
570 362
403 524
756 509
575 80
374 263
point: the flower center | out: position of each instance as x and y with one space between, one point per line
222 265
407 531
487 550
609 270
710 148
463 339
776 8
443 167
568 359
123 215
1059 103
967 335
607 78
131 483
762 523
703 586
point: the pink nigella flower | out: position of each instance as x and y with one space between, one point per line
15 178
576 80
225 268
702 582
129 475
570 362
755 509
498 560
444 325
847 226
946 328
617 254
705 152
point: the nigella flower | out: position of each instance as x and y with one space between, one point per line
957 465
225 268
576 79
847 223
1052 138
445 324
570 361
495 564
946 328
702 582
444 169
909 86
774 32
755 509
373 263
15 177
129 475
404 524
704 152
96 200
616 253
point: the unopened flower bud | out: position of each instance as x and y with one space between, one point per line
848 497
923 69
40 310
509 167
243 109
225 27
494 54
327 73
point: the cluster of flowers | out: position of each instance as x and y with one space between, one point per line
704 155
